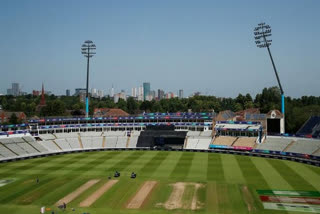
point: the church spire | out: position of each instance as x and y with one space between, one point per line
43 101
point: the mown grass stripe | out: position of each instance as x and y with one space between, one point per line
21 190
251 174
254 179
152 165
232 172
212 205
182 167
82 168
271 175
293 178
306 173
198 169
214 168
125 162
167 166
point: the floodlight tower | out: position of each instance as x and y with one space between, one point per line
87 50
260 34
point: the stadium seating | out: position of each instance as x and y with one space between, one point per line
26 147
245 141
206 134
67 135
121 142
90 134
135 133
304 146
11 147
133 142
114 133
192 143
47 137
74 143
317 152
111 142
96 142
311 127
224 140
275 143
50 145
203 143
6 153
193 133
63 144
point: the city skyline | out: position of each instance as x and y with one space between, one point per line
194 46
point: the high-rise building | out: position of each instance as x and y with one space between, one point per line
93 92
68 92
152 94
160 94
140 93
112 92
100 93
134 92
180 93
146 90
118 96
15 89
9 91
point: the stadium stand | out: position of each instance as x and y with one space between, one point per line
224 140
304 146
6 153
193 133
111 142
203 143
114 133
206 134
121 142
317 152
135 133
74 143
245 141
67 135
133 142
63 144
50 145
96 142
275 143
47 137
311 127
90 134
192 143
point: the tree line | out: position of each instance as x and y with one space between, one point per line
298 110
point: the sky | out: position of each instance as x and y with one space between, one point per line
205 46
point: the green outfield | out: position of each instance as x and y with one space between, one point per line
184 182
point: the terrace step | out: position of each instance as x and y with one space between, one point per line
234 141
80 142
57 145
315 152
104 142
128 141
289 145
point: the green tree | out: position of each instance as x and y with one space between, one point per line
132 105
13 119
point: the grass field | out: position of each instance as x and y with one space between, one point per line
224 183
